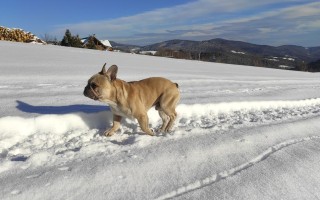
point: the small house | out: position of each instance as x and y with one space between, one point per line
92 42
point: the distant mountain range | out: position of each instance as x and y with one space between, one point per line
236 52
124 47
292 51
309 54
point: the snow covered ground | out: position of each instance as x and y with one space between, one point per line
242 132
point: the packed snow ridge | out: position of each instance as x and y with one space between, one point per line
22 138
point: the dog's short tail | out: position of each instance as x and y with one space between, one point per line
177 85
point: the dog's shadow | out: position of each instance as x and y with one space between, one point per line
95 116
128 141
27 108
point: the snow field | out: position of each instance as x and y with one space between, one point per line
242 132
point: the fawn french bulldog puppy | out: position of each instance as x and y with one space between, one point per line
134 99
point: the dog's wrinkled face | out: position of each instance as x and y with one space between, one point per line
96 86
99 86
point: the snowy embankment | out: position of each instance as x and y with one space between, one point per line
242 132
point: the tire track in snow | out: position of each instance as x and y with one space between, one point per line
233 171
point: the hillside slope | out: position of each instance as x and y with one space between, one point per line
242 132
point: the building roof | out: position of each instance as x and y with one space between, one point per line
104 42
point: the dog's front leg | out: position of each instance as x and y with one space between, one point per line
144 123
115 126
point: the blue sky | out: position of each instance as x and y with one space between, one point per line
271 22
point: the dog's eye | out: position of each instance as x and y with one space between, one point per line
93 85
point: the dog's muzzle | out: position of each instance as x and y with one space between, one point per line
90 93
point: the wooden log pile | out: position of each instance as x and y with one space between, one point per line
18 35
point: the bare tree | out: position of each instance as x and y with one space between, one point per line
49 39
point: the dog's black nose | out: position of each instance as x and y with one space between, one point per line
85 91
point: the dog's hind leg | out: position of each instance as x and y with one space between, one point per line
165 120
168 107
172 116
168 103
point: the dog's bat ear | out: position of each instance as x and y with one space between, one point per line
112 72
103 71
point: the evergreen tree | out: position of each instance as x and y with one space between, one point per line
71 41
90 44
76 41
67 39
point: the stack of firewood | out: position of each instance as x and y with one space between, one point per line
18 35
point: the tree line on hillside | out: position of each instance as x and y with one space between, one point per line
314 66
70 40
239 59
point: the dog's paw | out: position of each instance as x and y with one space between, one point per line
163 132
151 132
108 133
